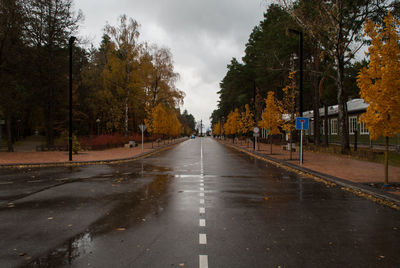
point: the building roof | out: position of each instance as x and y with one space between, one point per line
354 105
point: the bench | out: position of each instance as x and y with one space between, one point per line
131 144
287 147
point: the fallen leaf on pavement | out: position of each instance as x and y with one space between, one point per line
69 225
121 229
50 218
181 264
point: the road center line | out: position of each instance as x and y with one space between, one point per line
201 157
203 239
202 222
202 210
202 189
201 194
201 201
201 184
203 261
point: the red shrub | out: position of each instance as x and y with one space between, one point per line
104 141
112 140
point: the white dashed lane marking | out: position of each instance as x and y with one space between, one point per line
202 239
203 261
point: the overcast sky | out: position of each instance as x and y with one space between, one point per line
203 36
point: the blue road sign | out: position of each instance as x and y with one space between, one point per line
302 123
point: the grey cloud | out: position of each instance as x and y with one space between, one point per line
203 35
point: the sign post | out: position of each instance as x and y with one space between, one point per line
142 128
302 124
256 133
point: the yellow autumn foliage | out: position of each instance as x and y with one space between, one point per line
246 120
164 122
272 115
232 124
379 83
217 128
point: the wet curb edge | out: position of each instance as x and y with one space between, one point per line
356 188
92 162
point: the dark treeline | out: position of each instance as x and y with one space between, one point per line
332 39
115 85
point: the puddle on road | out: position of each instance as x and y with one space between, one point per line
132 208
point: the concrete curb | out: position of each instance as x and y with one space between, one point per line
92 162
385 198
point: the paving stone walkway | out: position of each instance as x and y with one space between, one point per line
62 156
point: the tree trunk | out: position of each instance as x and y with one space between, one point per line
126 116
271 144
49 122
9 133
290 145
339 59
317 134
386 161
326 126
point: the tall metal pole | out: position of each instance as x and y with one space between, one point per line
71 42
301 74
254 115
300 33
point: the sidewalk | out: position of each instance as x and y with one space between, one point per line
355 171
21 158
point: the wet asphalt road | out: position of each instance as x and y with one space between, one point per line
199 204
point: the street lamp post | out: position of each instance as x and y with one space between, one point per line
254 115
300 33
98 126
70 43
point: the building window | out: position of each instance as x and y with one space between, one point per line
334 126
352 124
363 129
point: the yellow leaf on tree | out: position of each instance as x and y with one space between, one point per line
272 115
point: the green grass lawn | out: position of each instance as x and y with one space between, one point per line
367 154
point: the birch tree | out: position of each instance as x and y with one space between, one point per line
121 71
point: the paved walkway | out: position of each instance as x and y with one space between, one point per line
57 156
